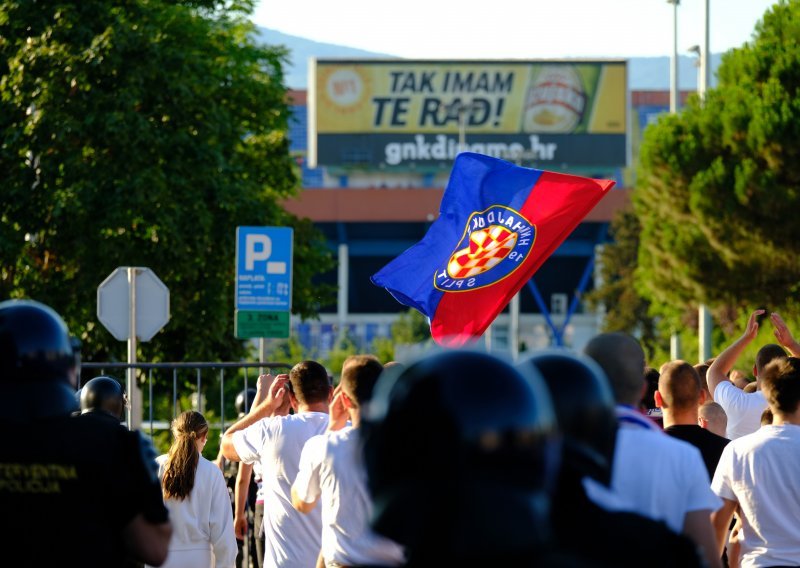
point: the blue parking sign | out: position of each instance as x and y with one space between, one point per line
264 268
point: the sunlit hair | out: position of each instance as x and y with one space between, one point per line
310 383
359 373
181 464
781 385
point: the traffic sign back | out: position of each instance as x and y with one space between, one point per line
152 303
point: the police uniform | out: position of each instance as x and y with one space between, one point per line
68 486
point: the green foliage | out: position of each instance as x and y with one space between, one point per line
411 327
717 183
625 309
142 134
383 349
345 346
290 351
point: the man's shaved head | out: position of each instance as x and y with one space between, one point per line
712 417
679 386
622 359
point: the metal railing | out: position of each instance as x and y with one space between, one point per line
198 367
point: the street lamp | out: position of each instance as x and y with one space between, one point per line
673 72
675 338
698 54
463 109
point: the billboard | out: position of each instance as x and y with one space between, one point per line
412 113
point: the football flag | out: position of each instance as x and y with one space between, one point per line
498 222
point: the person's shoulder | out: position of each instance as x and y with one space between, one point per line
316 444
715 439
343 436
207 467
748 442
659 442
726 390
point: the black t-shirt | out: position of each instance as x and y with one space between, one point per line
614 539
68 487
709 444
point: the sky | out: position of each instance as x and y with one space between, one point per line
513 29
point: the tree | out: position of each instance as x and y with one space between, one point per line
717 183
626 309
410 328
143 133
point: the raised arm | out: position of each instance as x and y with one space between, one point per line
263 407
784 336
724 362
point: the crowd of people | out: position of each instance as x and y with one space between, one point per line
462 458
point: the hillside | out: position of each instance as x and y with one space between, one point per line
645 73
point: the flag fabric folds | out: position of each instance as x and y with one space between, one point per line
498 222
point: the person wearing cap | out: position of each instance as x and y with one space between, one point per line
94 481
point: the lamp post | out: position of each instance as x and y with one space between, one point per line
673 72
704 55
463 110
675 338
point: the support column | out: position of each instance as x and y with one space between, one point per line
344 284
704 331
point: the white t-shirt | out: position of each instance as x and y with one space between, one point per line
661 477
292 538
761 472
743 409
203 522
331 468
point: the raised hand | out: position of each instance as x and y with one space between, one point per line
338 410
751 331
783 335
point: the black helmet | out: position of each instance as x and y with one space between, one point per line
242 405
103 394
38 360
584 405
451 440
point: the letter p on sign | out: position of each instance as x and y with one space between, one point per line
257 247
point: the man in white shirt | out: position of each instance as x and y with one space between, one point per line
332 470
757 475
654 474
744 409
292 539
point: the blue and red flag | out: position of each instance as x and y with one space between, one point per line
498 222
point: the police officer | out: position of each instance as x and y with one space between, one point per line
74 492
460 450
584 407
103 397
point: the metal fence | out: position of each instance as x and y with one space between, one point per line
249 377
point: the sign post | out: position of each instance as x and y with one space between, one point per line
133 304
263 283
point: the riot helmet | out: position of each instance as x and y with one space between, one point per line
244 400
584 407
39 363
103 394
449 439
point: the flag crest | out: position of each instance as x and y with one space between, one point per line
498 222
